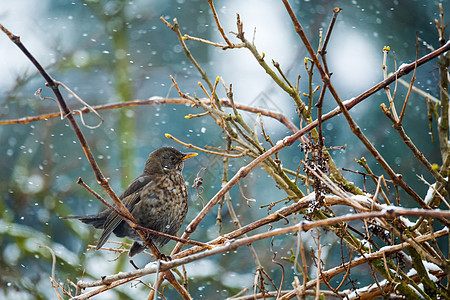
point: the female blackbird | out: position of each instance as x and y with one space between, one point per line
157 199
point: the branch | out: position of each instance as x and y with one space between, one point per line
303 226
158 101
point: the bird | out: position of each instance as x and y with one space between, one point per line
157 199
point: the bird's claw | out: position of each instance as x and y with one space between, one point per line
164 257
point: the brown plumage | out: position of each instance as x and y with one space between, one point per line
157 199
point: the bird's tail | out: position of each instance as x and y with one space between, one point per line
94 220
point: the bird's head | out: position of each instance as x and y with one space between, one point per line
166 159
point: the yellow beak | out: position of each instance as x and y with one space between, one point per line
189 155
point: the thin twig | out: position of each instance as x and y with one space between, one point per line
219 27
323 50
190 146
408 142
411 84
424 94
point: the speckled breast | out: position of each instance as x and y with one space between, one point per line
163 206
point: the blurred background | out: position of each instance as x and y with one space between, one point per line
112 51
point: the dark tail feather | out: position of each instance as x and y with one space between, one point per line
94 220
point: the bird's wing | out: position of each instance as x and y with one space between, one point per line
130 197
136 186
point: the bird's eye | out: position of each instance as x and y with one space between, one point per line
172 158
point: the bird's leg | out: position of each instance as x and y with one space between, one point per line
165 257
161 256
